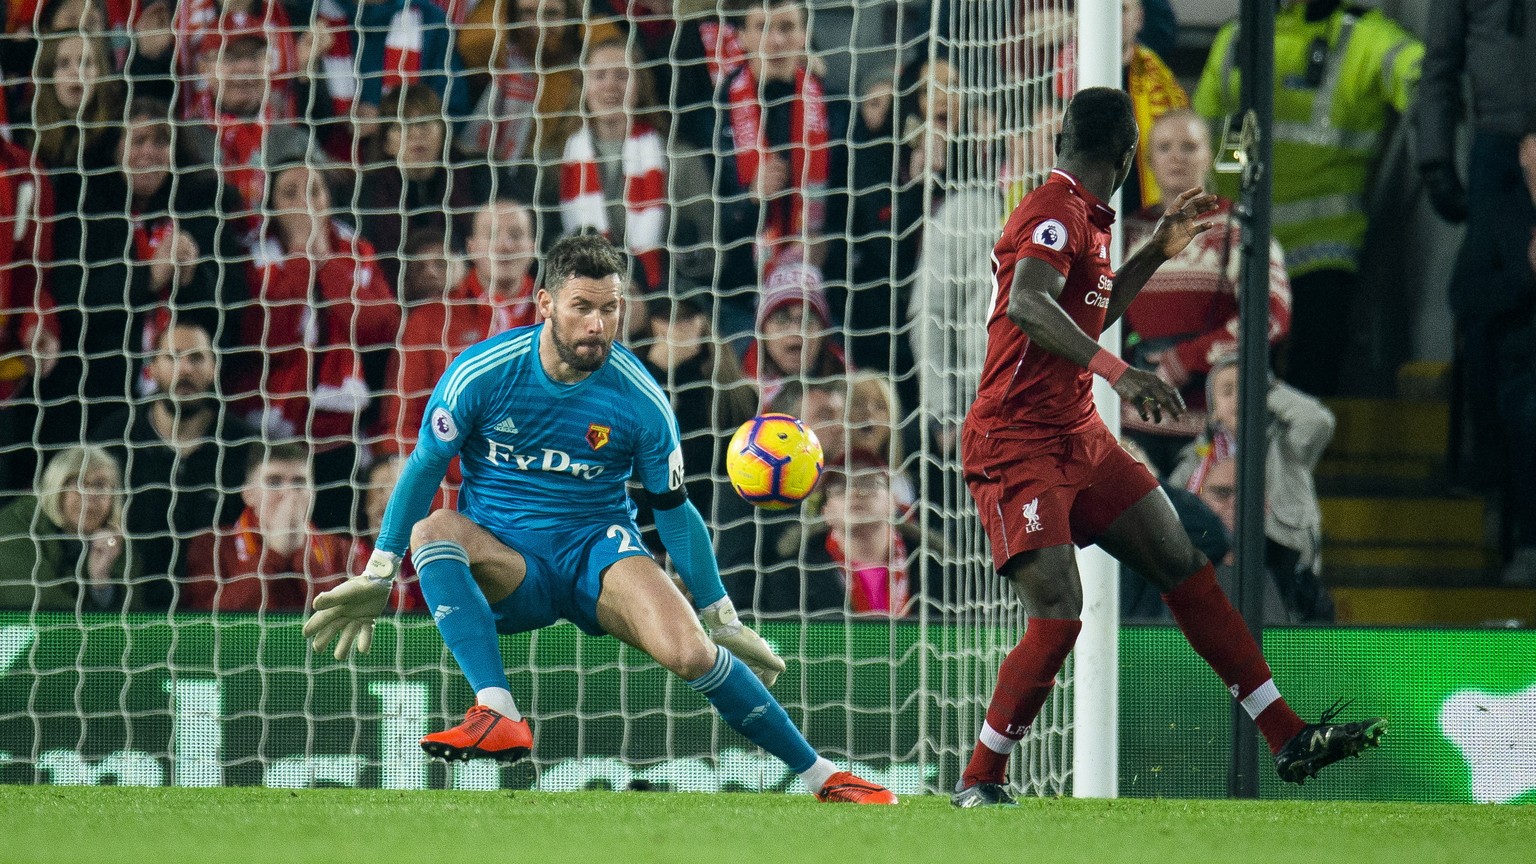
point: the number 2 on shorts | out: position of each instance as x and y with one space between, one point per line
626 540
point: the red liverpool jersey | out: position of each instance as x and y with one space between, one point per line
1026 391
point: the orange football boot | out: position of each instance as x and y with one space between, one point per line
846 788
483 734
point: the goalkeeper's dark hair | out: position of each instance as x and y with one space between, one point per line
582 256
1099 127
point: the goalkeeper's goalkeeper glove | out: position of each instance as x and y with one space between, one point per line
348 609
728 632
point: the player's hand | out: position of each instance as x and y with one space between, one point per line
349 609
1181 222
726 629
1150 394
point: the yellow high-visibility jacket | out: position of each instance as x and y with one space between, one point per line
1327 130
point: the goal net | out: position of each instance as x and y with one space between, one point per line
242 239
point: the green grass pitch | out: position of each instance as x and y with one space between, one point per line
263 826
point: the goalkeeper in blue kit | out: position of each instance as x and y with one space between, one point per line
549 423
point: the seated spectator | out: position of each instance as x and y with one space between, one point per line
272 559
75 102
202 27
1154 92
531 50
181 251
859 558
247 135
1187 314
320 302
1299 429
64 548
137 249
772 144
405 591
501 257
898 185
873 413
29 331
414 179
616 175
794 333
184 455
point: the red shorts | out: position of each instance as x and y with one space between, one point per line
1036 493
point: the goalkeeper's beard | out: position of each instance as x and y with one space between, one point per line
572 357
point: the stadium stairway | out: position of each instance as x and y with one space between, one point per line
1398 546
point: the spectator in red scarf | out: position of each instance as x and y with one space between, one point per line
774 149
795 337
250 128
414 178
273 559
320 301
859 558
401 43
501 256
301 55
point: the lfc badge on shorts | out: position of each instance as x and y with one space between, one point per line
597 435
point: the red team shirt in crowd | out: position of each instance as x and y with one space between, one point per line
1043 468
1027 392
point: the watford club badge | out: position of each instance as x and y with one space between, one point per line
597 436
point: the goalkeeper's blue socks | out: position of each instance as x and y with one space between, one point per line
745 704
464 618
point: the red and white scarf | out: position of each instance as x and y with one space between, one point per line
583 204
1220 448
791 217
722 50
402 49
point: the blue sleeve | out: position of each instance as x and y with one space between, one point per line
412 497
449 418
686 537
659 457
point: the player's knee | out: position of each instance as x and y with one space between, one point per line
691 661
439 525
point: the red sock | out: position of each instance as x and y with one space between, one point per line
1025 680
1217 633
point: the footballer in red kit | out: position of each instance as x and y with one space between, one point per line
1047 474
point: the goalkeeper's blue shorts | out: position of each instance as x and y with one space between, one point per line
565 573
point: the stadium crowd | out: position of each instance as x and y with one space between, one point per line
240 241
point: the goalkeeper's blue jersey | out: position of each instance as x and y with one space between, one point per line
537 454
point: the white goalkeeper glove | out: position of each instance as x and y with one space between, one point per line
348 609
728 632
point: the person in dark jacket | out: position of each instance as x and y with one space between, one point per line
64 548
1489 44
182 263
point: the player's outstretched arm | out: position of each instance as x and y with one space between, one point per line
346 613
686 537
1179 224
